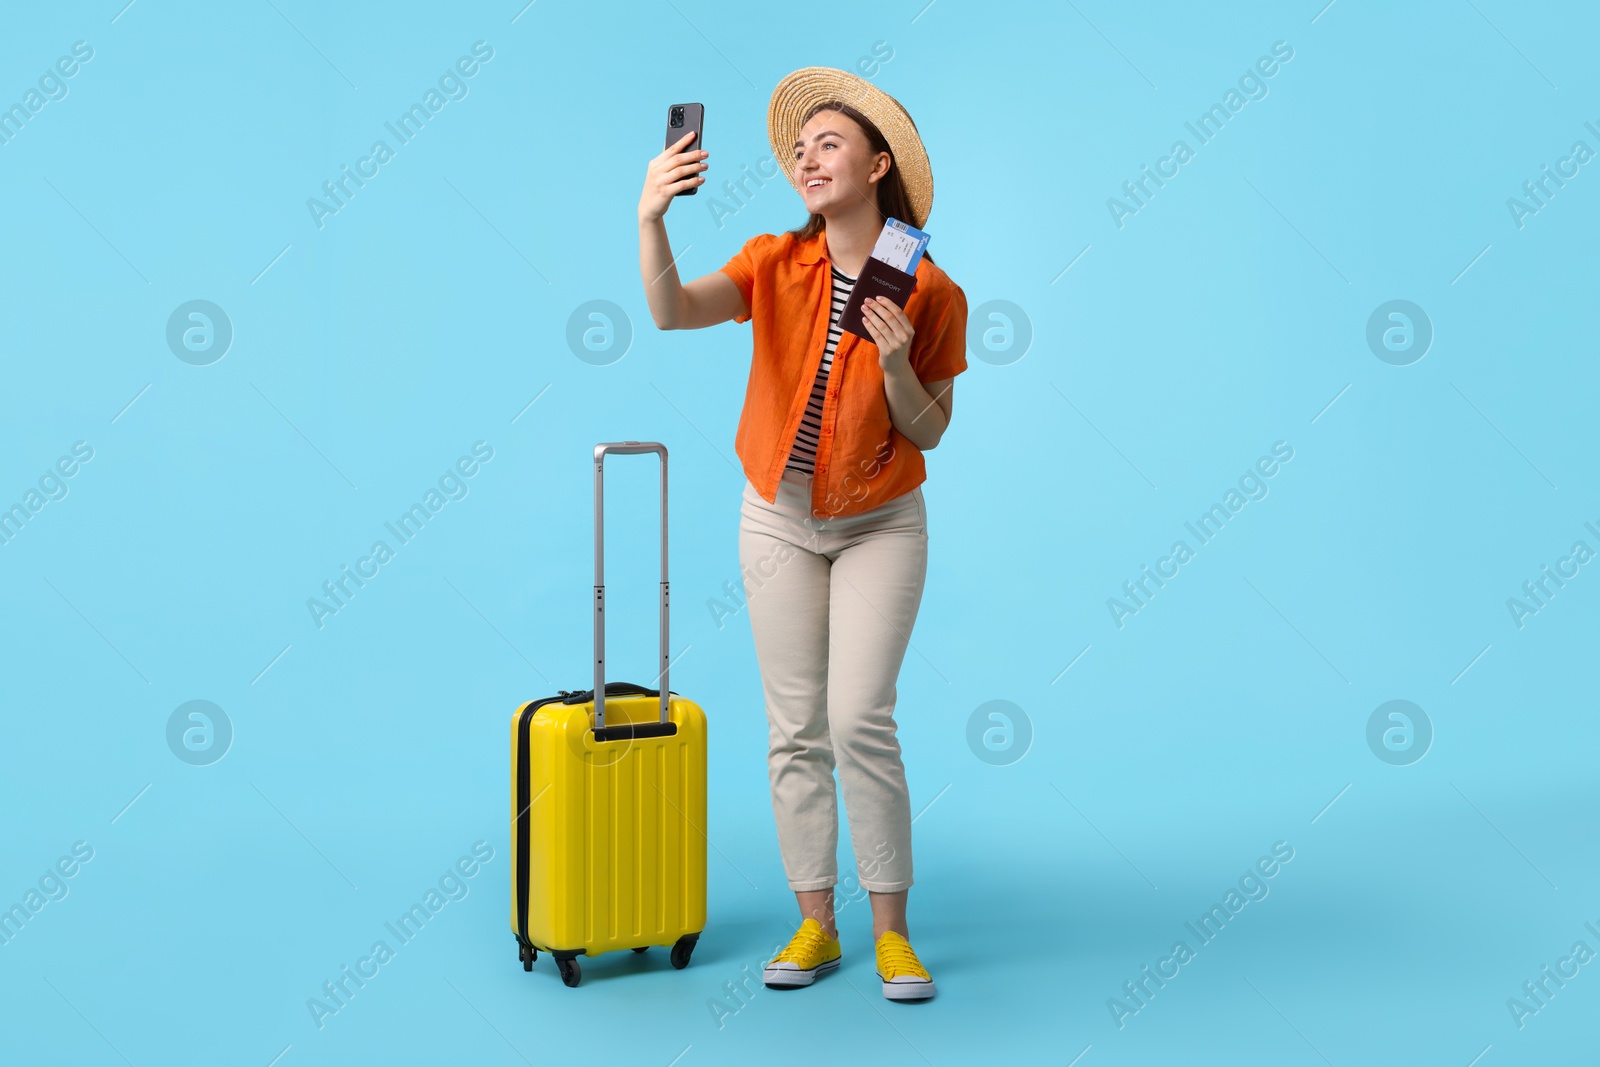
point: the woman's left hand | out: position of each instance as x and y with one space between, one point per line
891 331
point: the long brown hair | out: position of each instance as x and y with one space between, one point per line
893 203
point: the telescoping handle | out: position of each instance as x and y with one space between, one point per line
600 451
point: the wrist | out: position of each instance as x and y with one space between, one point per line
897 367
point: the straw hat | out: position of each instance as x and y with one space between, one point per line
807 87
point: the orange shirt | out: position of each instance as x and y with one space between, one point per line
862 460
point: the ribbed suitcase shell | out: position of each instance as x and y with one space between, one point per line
614 831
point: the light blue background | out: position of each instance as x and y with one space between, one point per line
1228 314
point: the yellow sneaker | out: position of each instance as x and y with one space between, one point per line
809 953
904 977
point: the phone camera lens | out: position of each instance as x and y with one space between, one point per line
677 116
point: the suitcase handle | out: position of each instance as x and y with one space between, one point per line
600 452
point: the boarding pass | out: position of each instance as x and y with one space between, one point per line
900 246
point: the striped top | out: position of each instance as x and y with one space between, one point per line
803 456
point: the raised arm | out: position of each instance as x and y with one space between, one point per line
707 300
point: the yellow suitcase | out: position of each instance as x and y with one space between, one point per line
608 804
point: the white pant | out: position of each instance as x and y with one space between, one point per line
831 605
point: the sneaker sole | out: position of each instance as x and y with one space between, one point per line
908 990
787 978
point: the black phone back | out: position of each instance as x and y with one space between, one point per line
682 119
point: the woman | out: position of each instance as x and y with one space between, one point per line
833 531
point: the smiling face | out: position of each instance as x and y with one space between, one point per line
835 167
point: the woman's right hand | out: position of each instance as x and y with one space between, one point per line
675 169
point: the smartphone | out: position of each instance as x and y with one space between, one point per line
682 119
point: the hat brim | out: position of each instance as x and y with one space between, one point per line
807 87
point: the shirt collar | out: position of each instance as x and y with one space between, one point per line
812 250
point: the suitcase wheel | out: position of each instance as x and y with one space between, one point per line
683 950
642 948
570 973
527 954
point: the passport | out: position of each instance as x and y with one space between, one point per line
890 272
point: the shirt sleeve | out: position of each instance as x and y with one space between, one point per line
742 269
939 349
